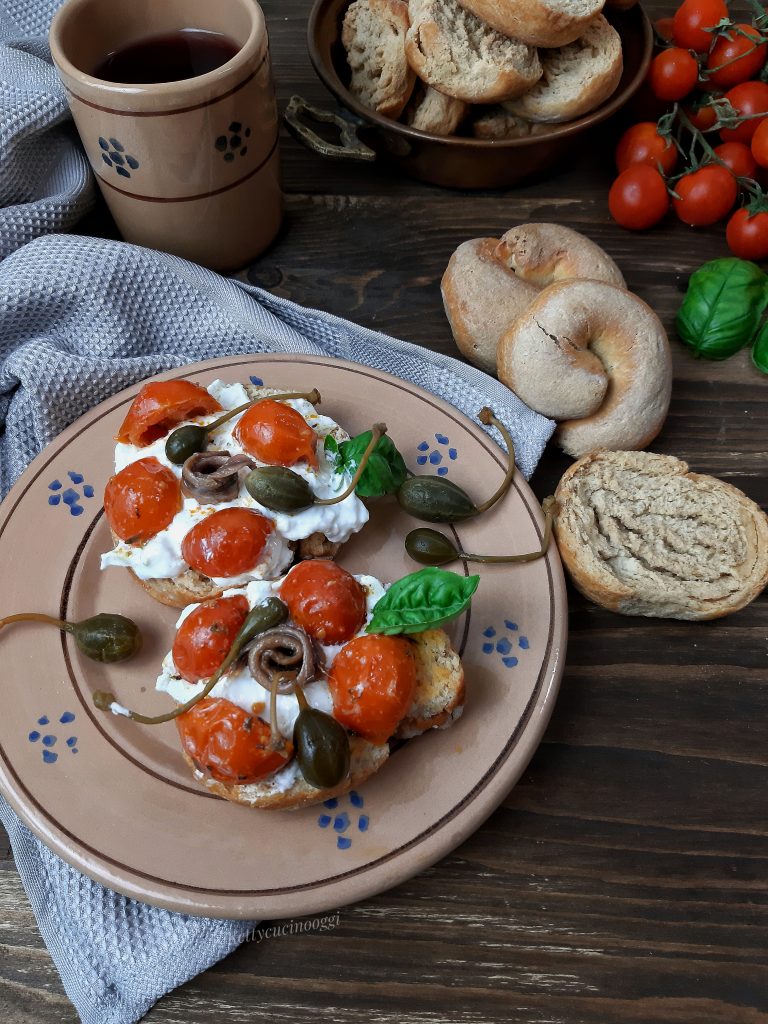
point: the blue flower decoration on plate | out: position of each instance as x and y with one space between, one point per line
505 643
70 497
48 736
437 453
344 822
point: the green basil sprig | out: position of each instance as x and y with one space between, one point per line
722 308
385 471
424 600
760 349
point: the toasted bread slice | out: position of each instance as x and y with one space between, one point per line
373 35
438 701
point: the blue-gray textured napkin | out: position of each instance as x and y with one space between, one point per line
80 319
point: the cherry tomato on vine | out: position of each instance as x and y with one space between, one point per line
737 157
275 433
747 234
141 500
737 56
760 144
324 600
705 196
665 29
372 681
673 73
642 144
638 198
204 638
159 406
691 21
747 99
702 117
227 543
232 744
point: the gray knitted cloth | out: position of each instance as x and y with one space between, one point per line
80 319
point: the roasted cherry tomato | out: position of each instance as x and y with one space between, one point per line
324 600
642 144
691 21
747 235
738 158
747 99
232 744
141 500
638 198
227 543
737 56
673 73
159 406
705 196
205 637
759 144
275 433
372 682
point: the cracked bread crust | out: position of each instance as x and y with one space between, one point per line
641 535
373 35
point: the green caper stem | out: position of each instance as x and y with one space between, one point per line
276 741
312 396
547 507
487 418
37 617
303 702
377 432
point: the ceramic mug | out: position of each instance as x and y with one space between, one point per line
192 166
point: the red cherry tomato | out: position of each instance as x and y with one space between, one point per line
665 28
746 99
642 144
747 235
159 406
759 144
737 158
372 682
141 500
229 743
703 117
638 198
736 57
324 600
275 433
227 543
692 19
705 196
673 73
205 637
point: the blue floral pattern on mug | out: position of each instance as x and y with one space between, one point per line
113 154
234 142
341 821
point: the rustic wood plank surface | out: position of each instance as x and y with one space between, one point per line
624 878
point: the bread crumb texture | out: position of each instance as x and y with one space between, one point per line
373 34
643 536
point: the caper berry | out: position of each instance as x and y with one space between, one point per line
435 500
261 618
279 489
322 748
430 547
107 638
185 442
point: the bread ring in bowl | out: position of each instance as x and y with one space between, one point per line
489 282
596 357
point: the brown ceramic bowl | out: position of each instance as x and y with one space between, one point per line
454 161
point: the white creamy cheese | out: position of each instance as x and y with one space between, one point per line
239 686
160 557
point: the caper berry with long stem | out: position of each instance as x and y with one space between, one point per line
104 637
432 548
264 616
189 440
281 490
321 744
437 500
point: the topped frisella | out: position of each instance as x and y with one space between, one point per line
182 518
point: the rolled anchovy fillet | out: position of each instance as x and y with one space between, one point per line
285 652
211 477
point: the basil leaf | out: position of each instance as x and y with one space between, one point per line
722 308
424 600
760 350
332 452
385 470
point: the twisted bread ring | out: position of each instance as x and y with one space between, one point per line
594 356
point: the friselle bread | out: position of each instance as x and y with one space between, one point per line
373 35
641 535
438 700
576 78
546 23
459 55
496 122
434 112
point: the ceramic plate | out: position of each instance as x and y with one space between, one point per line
116 800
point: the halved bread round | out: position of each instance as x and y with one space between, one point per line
373 34
437 701
545 23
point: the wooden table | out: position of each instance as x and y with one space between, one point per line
624 878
